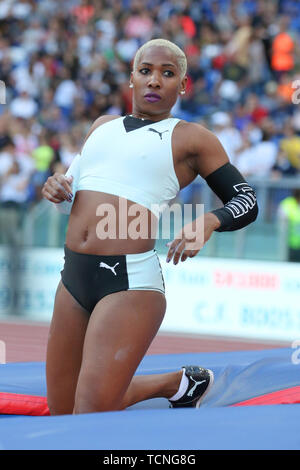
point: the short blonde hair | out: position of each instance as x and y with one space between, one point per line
179 54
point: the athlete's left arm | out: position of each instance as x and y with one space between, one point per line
211 162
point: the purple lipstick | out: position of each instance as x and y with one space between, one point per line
152 97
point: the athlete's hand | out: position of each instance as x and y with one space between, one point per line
192 237
58 188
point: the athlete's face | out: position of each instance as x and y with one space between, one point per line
156 83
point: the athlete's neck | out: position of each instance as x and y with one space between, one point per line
148 117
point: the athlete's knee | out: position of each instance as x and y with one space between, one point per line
92 397
58 408
88 403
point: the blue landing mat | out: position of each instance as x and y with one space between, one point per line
152 425
259 427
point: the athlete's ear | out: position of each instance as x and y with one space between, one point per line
130 80
183 85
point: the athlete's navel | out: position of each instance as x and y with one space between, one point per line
85 235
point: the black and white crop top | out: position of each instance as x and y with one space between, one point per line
128 157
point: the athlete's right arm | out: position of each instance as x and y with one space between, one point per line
61 189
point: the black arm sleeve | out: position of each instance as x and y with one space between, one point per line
239 199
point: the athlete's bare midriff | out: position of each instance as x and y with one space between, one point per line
97 215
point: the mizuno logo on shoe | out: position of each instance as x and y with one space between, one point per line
190 393
157 132
112 268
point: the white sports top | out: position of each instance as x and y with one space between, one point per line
132 162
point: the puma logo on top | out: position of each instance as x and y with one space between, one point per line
157 132
190 393
112 268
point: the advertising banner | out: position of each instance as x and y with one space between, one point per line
241 298
251 299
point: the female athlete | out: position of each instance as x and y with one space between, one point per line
110 301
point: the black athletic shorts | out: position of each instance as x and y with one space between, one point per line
89 278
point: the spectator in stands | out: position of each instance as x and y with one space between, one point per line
66 92
229 136
289 214
139 23
283 49
284 89
24 139
84 12
237 48
42 156
23 106
290 145
257 160
15 173
258 72
4 133
255 109
283 167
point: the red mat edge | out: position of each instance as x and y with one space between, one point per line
19 404
32 405
287 396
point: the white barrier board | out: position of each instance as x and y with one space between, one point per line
249 299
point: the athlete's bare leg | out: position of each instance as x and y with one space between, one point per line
144 387
121 329
64 351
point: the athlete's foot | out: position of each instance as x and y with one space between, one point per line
199 382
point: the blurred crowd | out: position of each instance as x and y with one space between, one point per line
64 63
